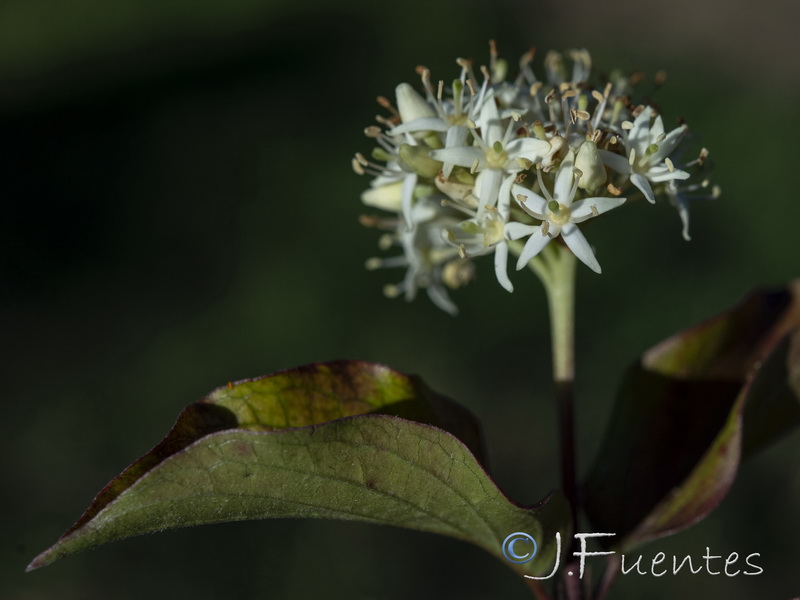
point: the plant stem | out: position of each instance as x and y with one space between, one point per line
561 301
560 289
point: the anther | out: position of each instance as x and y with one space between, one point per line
595 212
669 164
373 263
545 229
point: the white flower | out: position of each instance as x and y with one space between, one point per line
560 214
495 155
679 196
425 255
648 149
451 117
483 234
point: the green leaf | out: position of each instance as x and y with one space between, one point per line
309 443
689 410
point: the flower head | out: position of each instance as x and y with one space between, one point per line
468 168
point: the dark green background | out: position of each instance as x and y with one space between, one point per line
179 211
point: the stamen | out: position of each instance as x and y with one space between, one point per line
669 164
385 103
632 157
392 291
595 212
373 263
373 131
545 228
627 125
462 251
359 170
474 168
614 190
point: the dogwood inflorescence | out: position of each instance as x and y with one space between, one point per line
482 165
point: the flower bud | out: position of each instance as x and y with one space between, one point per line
418 160
411 105
589 163
386 197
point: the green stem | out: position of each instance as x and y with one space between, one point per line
555 266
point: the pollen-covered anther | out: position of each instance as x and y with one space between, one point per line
583 115
573 116
669 164
386 241
632 157
387 104
462 251
594 210
373 131
373 263
545 229
627 125
550 96
521 198
535 87
597 96
359 170
614 190
391 290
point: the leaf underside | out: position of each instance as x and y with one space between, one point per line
317 442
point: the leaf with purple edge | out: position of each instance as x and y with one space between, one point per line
331 440
687 413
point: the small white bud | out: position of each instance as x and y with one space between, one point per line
588 161
386 197
411 105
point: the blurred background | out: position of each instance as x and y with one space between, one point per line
179 211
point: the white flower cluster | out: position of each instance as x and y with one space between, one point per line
479 165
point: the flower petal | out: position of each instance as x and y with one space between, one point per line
580 246
439 297
456 137
533 203
661 172
421 124
487 187
501 266
515 231
531 149
463 156
615 162
564 188
640 181
533 246
409 183
668 144
504 197
582 209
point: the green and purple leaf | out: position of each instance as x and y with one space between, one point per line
689 411
342 440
